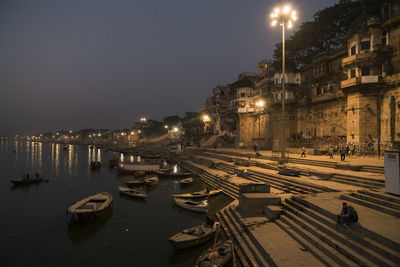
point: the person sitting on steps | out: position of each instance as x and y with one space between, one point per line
347 216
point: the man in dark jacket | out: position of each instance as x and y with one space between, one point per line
348 215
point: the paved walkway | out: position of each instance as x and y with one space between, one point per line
354 160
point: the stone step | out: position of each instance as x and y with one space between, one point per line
330 219
355 180
311 237
362 250
240 240
387 197
254 244
371 205
272 211
355 233
327 261
378 201
237 247
227 190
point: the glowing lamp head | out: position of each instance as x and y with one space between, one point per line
132 133
286 9
175 129
260 103
166 126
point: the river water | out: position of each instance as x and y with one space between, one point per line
36 231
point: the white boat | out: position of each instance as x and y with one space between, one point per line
199 206
91 206
151 181
186 180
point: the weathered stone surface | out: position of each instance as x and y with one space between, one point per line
255 188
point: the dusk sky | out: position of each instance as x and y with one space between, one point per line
104 64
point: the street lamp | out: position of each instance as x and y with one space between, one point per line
206 118
260 104
285 16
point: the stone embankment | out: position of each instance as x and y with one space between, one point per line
302 230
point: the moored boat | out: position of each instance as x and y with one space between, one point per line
151 181
91 206
199 206
95 165
174 175
134 182
193 236
199 194
113 163
26 181
186 180
131 192
220 256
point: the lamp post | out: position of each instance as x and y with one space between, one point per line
285 17
260 105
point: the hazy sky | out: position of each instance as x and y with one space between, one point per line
103 64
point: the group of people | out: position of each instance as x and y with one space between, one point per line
343 150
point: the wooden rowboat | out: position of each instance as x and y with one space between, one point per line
92 206
220 257
193 236
134 182
151 181
199 206
131 192
200 194
289 172
22 181
186 180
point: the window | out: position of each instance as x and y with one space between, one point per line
365 45
242 95
319 90
331 88
383 39
365 71
353 73
353 49
276 80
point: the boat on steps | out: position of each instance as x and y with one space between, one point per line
26 181
131 192
200 194
151 181
193 236
92 206
220 256
199 206
186 181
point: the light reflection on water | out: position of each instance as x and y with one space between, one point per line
38 230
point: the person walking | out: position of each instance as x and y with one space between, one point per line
304 152
331 152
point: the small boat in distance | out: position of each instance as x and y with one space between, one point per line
193 236
131 192
219 257
173 175
134 182
91 206
199 206
199 194
151 181
186 181
26 181
95 165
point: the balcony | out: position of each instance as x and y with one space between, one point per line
359 80
366 57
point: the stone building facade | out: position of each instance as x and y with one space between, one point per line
349 96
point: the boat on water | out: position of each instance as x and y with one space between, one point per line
137 167
91 206
113 163
131 192
220 256
193 205
26 181
170 174
193 236
134 182
199 194
95 165
151 181
186 181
